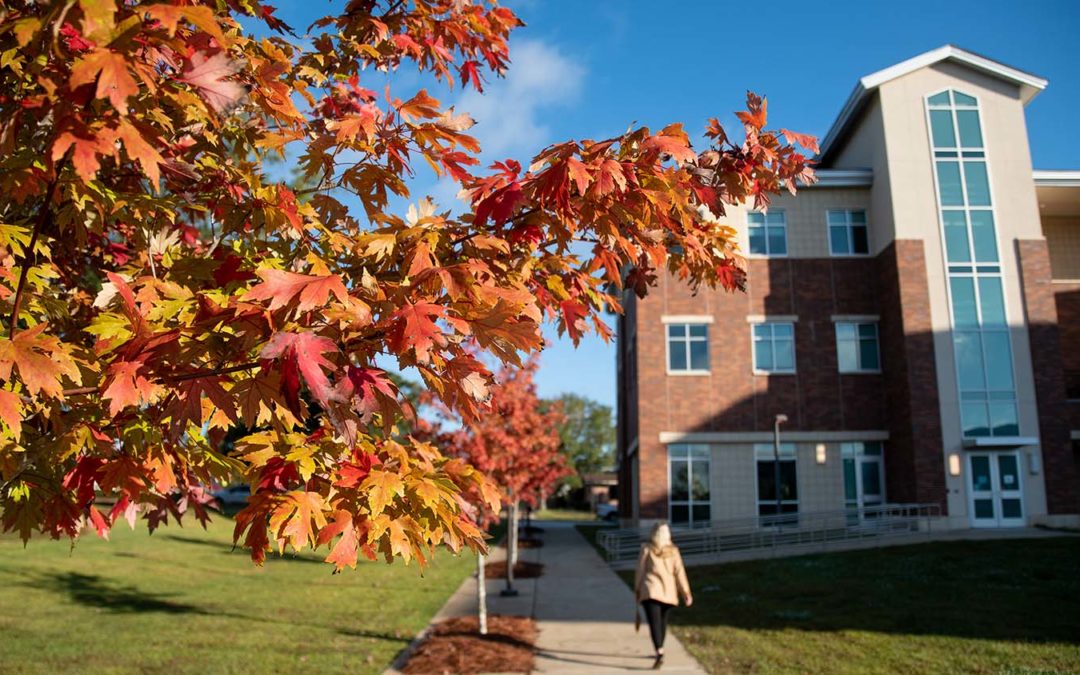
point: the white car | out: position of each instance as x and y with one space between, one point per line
234 495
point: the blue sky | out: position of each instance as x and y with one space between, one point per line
590 68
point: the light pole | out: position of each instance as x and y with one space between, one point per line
780 419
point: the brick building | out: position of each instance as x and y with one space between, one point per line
912 315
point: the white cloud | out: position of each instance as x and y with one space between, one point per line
510 111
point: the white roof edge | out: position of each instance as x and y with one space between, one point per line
842 178
1030 85
1056 178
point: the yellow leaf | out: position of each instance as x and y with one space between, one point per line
381 487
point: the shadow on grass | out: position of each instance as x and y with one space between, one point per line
94 591
237 550
1022 590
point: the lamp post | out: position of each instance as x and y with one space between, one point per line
780 419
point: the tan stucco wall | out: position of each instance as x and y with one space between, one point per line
1063 239
915 216
805 212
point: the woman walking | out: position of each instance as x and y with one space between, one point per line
659 582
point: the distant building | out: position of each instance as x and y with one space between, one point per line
915 315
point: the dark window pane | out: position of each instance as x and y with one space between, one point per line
680 486
940 99
676 330
860 242
963 302
850 488
838 239
677 355
680 514
970 134
701 514
949 184
1003 419
788 486
956 237
868 330
982 232
766 481
984 509
699 473
757 240
699 356
699 330
975 419
1009 471
763 355
941 126
978 187
1011 508
871 478
777 241
868 353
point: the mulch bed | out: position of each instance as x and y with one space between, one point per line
522 570
530 542
456 646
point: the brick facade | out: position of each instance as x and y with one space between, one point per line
1048 366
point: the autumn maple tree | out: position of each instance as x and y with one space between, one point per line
161 286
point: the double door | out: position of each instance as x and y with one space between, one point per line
995 494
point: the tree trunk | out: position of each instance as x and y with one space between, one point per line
513 557
481 593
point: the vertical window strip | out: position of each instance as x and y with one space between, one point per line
981 342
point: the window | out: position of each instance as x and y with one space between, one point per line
688 476
765 456
768 232
688 347
847 232
981 344
774 347
857 347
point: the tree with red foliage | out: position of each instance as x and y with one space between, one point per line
159 286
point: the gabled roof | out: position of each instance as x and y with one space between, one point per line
1030 85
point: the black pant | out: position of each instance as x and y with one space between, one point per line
656 613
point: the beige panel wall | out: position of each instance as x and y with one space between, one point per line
867 148
734 480
915 216
805 214
1063 239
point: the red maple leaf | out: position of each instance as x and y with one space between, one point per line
302 354
208 75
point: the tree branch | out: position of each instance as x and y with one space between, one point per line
31 255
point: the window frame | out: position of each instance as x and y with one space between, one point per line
848 226
763 452
687 339
859 370
772 340
688 456
768 253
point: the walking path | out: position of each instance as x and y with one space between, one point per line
585 613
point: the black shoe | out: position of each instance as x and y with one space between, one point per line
658 662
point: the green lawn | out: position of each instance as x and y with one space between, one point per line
564 515
183 601
982 607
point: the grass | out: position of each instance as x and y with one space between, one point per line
974 607
563 515
183 601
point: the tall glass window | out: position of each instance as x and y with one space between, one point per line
688 480
984 364
765 457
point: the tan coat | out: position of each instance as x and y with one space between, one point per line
661 576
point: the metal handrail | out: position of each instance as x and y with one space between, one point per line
788 529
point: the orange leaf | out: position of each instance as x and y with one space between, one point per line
113 79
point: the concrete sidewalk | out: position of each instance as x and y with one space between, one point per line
585 613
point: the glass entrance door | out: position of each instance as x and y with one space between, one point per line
864 483
995 495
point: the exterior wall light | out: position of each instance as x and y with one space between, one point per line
820 453
954 464
1033 461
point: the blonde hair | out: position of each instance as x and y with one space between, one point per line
661 536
